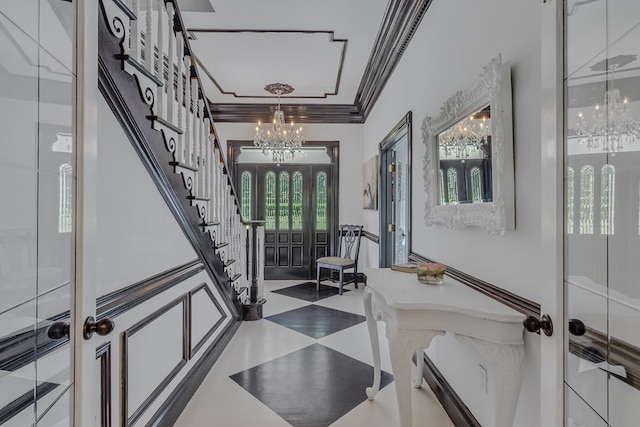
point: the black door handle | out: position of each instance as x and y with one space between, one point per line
101 327
58 331
535 325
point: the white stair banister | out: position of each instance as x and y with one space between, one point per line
160 101
170 117
181 99
148 37
187 110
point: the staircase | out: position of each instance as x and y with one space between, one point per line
149 77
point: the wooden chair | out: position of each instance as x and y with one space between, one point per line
349 238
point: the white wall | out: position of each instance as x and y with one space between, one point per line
351 142
454 41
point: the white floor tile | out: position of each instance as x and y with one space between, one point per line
221 401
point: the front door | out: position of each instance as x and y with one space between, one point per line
296 203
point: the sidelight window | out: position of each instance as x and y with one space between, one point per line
246 195
270 201
321 201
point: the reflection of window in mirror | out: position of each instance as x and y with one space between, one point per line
441 183
607 199
570 202
465 148
586 200
245 191
65 206
452 181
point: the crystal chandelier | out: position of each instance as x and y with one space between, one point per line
612 125
466 136
280 141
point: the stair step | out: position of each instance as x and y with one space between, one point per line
228 263
141 69
165 123
242 289
184 166
202 199
209 224
220 245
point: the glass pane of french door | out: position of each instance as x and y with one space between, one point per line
36 184
602 211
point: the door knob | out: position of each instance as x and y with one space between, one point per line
577 327
533 324
58 331
101 327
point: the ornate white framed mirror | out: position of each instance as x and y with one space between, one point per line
468 164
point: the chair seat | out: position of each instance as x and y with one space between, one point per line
333 260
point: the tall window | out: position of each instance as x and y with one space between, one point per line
283 216
296 205
246 195
321 201
586 200
607 199
65 205
270 201
441 183
570 199
476 185
452 181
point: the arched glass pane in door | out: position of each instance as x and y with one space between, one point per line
586 200
476 185
607 199
270 201
296 205
283 216
246 195
452 181
321 201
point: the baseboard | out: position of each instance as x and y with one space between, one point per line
453 405
170 410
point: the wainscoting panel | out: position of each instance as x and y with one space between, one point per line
153 352
206 316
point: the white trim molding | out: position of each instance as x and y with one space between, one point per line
493 88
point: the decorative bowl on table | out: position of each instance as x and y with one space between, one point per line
430 273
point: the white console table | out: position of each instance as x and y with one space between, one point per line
414 313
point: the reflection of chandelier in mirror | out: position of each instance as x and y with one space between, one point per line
612 125
279 141
468 135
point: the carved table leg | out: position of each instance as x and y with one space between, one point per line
402 345
375 346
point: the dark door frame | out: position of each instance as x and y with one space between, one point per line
400 130
333 150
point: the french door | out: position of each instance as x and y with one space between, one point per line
395 190
296 202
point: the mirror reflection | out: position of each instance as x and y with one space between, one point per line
464 158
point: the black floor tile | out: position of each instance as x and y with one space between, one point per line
316 321
311 387
307 291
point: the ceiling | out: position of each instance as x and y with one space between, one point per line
337 54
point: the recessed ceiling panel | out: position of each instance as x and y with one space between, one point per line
240 63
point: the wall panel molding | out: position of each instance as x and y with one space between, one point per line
129 420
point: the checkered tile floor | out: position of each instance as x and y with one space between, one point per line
306 364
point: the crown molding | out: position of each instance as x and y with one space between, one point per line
399 24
